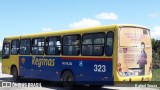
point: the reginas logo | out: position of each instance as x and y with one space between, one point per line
42 61
23 60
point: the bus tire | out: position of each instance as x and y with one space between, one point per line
67 79
15 74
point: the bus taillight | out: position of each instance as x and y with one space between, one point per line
119 67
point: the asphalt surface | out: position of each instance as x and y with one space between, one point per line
48 85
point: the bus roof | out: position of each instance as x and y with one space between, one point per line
72 31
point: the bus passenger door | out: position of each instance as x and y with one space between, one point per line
5 58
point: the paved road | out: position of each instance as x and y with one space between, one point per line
46 85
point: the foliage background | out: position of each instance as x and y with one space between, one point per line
156 54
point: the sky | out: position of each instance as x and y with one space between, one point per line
19 17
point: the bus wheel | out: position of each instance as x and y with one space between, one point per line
67 79
15 74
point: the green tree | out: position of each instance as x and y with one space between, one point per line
0 53
156 53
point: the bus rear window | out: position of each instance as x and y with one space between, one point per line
131 36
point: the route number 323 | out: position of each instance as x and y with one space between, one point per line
99 68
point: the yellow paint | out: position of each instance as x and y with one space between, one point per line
133 78
13 60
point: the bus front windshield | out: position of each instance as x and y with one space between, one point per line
134 55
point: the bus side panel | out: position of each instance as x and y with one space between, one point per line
47 68
91 70
85 70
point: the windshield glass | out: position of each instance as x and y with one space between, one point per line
134 52
130 36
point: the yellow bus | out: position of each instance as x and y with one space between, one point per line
103 54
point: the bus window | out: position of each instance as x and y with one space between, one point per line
93 44
6 50
71 45
38 46
109 43
15 47
53 45
25 46
145 31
